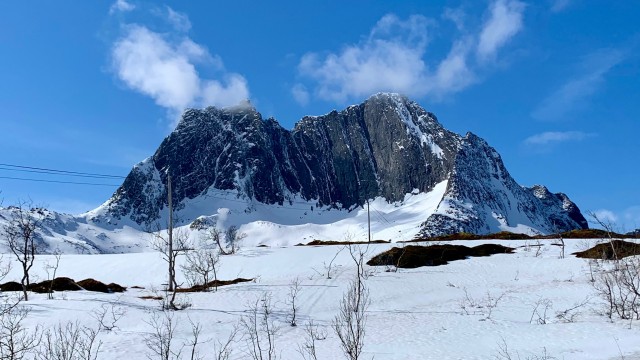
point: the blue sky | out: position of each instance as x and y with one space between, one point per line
94 86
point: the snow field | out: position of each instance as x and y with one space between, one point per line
414 313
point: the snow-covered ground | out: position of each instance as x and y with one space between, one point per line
414 314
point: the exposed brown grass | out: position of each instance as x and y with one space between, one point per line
332 242
605 250
212 284
413 256
99 286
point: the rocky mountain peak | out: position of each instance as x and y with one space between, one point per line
388 146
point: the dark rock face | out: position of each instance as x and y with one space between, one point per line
387 146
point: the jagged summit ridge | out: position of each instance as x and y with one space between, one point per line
387 146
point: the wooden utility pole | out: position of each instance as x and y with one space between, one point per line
368 220
170 234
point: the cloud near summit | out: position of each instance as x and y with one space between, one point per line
393 57
164 66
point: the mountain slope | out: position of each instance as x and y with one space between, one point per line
387 146
233 167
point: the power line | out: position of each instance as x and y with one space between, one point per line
56 181
56 171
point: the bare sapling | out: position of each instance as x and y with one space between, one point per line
171 243
308 349
21 234
108 316
51 270
294 289
259 330
350 323
161 340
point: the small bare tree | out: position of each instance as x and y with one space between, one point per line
161 340
350 323
294 289
313 333
108 316
20 232
233 238
201 264
608 228
16 341
260 331
171 243
223 350
51 270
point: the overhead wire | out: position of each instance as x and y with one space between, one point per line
56 181
57 171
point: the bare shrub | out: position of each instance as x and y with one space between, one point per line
570 314
202 264
233 237
223 350
312 334
504 353
259 329
108 316
483 306
16 341
620 289
350 323
161 339
71 341
539 313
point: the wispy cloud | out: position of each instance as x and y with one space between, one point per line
559 5
623 220
606 216
393 57
504 22
164 67
556 137
575 92
389 59
179 20
300 94
121 6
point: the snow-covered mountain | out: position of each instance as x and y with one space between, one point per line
232 167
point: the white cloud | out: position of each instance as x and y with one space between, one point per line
574 94
300 94
122 6
179 20
391 58
559 5
163 68
504 22
555 137
457 16
606 216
